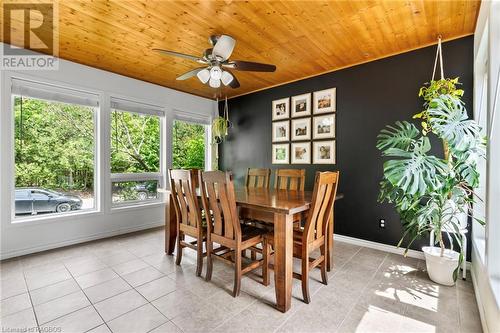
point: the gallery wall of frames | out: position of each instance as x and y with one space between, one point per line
303 128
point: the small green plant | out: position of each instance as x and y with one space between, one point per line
220 126
428 191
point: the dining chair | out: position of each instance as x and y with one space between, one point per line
188 214
258 178
290 179
314 235
225 229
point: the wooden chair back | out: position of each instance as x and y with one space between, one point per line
258 178
323 198
183 188
219 202
290 179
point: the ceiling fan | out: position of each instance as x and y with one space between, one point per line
217 63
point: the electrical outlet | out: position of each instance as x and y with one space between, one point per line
381 223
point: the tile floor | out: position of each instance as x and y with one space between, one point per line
128 284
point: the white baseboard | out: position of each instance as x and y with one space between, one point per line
382 247
45 247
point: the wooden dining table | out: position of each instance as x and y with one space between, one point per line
278 207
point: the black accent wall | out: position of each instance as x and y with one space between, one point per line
369 96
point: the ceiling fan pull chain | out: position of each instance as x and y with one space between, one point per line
439 55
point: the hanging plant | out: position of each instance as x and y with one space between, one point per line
433 194
221 125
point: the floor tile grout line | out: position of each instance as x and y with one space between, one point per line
91 304
31 301
361 294
322 285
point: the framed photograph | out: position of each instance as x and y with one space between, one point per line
324 152
281 154
301 129
301 105
324 127
281 131
281 109
301 153
324 101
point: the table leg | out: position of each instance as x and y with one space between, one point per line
283 260
329 262
170 226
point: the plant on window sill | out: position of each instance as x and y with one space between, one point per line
430 193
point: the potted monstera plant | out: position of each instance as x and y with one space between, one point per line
433 193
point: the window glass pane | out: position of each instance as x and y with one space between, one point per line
188 145
134 191
54 156
135 142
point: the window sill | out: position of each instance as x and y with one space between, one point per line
51 218
136 206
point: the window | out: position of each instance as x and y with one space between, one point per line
54 149
136 172
188 145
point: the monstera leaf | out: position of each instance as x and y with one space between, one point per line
414 172
449 120
400 136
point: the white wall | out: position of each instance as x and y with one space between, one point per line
486 241
27 237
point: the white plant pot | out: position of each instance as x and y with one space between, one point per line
440 269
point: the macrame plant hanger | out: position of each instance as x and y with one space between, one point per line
439 55
226 115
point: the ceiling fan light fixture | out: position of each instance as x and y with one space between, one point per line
226 78
203 75
215 72
214 83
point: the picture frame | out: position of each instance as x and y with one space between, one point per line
301 129
324 152
324 127
281 131
301 153
281 153
281 109
301 105
324 101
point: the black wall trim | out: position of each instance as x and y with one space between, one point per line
369 96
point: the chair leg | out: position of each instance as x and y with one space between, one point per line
237 273
305 279
178 259
199 256
265 264
324 275
253 255
210 265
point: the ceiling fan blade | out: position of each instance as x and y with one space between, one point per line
224 47
190 74
181 55
249 66
235 83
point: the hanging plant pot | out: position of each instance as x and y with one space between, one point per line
220 126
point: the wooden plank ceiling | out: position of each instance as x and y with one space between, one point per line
302 38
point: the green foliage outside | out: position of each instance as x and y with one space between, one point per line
54 144
188 146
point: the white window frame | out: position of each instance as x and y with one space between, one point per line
121 104
26 86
